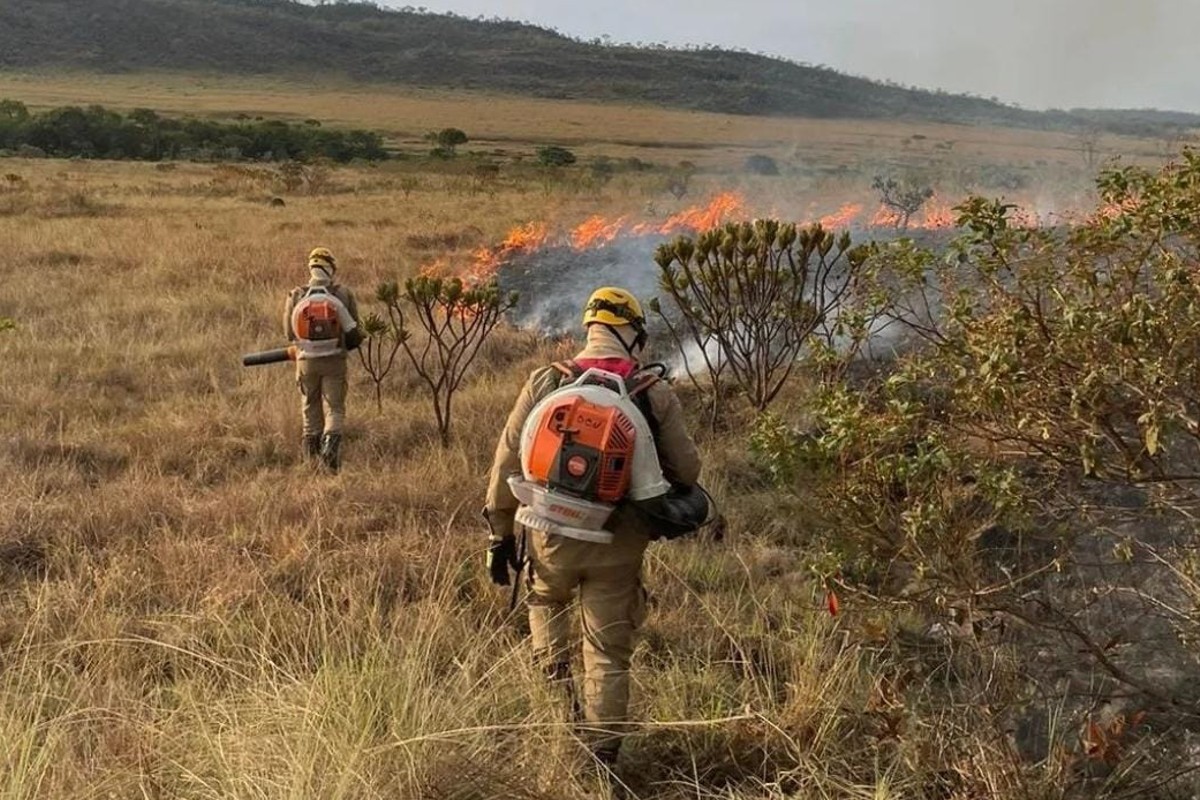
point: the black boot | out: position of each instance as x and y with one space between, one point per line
311 446
561 679
331 455
606 756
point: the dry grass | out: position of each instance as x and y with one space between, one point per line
188 612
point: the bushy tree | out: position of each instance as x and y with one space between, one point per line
555 156
750 298
1050 372
446 141
456 320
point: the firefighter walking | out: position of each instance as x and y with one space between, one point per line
321 320
602 568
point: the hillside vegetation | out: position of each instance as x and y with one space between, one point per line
97 132
364 43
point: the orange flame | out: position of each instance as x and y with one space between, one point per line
843 217
487 260
885 218
597 231
698 218
436 269
936 214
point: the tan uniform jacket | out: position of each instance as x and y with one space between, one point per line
676 451
342 293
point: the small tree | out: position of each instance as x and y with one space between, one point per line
1087 141
752 296
555 156
903 198
446 141
457 320
378 352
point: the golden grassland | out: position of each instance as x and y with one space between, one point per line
515 125
187 611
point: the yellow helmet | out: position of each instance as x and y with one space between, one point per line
612 306
322 257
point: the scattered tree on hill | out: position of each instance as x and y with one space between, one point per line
679 182
603 168
456 320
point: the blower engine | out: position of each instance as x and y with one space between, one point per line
584 449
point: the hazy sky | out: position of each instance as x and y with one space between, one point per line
1039 53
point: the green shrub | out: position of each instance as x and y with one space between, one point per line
97 132
554 156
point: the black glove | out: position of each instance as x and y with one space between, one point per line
354 338
501 555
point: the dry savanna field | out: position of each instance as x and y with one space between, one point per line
188 611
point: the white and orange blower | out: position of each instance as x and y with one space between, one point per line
585 449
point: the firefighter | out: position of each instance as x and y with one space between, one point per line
321 320
607 578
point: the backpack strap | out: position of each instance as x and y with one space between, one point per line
569 369
638 387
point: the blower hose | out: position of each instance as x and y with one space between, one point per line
269 357
680 512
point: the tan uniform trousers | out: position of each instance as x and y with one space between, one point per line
322 379
608 579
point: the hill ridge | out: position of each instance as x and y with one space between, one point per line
371 44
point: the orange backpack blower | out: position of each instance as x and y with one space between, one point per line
315 318
584 449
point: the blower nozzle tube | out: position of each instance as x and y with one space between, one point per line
269 357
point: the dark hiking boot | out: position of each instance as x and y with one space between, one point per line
311 446
561 679
331 451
